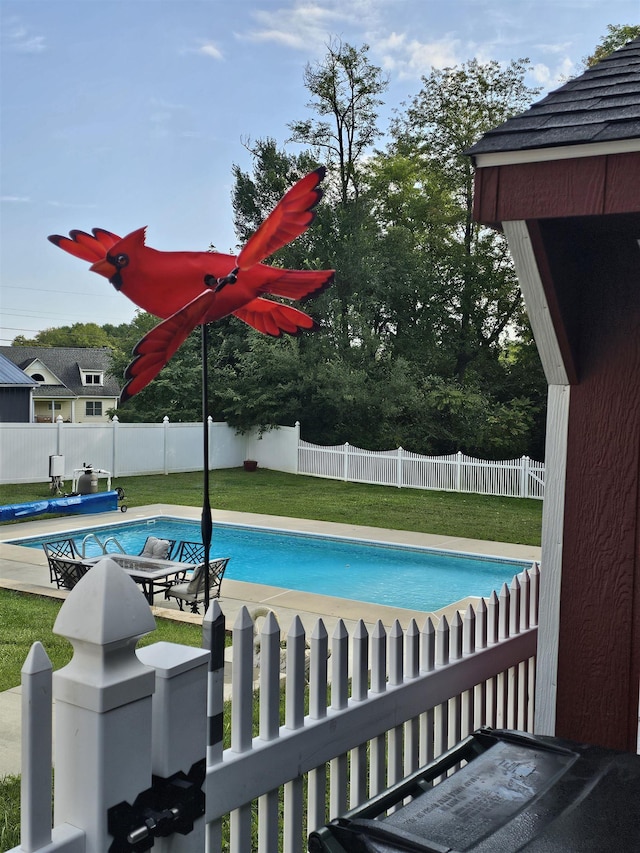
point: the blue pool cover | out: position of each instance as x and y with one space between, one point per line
69 505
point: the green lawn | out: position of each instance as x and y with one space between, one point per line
27 618
275 493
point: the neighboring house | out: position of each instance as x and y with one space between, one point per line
16 397
71 382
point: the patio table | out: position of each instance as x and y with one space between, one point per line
150 572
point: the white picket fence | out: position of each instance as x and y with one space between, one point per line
128 450
397 700
523 478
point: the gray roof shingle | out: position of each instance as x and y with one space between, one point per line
10 374
66 363
601 105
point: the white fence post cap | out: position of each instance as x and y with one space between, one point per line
103 618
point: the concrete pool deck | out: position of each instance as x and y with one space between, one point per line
26 570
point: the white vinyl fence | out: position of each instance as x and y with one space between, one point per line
397 700
127 450
522 478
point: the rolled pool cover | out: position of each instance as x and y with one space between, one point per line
67 505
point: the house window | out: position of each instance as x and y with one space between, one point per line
92 378
56 407
93 408
38 377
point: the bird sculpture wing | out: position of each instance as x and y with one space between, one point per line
157 347
290 218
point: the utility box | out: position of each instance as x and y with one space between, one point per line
56 466
516 792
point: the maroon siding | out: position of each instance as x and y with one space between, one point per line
596 271
585 186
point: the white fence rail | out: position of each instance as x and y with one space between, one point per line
397 700
523 478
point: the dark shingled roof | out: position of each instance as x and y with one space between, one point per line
12 375
601 105
66 363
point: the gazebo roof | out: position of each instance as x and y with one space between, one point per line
600 106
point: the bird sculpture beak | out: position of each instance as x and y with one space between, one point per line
104 267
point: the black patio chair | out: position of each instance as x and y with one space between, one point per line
192 591
189 552
64 548
65 572
61 548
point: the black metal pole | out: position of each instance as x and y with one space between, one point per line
206 524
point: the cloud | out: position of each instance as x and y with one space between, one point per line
11 199
211 50
304 23
205 48
551 78
18 38
410 58
73 205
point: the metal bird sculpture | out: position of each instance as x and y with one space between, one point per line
188 289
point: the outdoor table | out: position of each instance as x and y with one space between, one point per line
150 572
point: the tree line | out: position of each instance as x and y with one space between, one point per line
424 342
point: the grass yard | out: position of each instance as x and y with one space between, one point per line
27 618
485 517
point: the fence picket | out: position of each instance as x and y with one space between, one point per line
269 724
396 674
412 727
35 786
427 664
339 699
441 721
377 763
359 691
317 785
468 648
241 719
480 642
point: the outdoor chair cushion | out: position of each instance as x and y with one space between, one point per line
192 591
156 548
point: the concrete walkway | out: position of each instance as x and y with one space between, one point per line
26 569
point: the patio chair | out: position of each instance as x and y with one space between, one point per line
66 572
61 548
192 591
160 549
189 552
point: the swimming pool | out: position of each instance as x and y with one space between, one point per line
393 575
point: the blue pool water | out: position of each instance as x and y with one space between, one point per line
398 576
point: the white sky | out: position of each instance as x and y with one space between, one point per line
124 113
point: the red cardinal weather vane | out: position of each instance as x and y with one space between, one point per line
188 289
